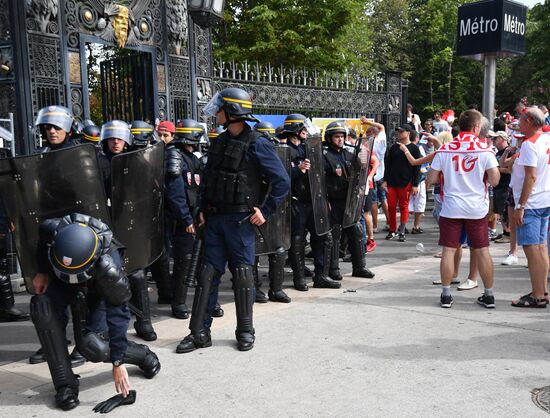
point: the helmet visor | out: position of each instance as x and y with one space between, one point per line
311 128
214 105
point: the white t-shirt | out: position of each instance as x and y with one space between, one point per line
534 152
463 166
379 149
440 126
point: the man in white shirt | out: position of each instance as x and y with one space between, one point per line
531 186
439 124
461 167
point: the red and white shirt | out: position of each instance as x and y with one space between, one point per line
534 152
463 163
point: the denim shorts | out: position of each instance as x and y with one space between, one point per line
380 193
534 230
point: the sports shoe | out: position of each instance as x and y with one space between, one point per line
375 230
446 301
391 235
493 234
371 245
510 260
487 301
401 237
467 285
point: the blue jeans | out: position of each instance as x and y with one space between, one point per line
534 230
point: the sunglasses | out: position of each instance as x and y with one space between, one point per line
47 127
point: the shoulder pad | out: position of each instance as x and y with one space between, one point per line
111 281
173 162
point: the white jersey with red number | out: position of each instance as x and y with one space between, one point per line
534 152
463 163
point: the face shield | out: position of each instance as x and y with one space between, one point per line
214 105
311 128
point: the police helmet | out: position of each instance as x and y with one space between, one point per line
234 101
75 248
214 133
337 127
188 132
116 129
265 128
58 116
294 123
91 134
142 133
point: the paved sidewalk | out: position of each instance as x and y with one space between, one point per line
379 347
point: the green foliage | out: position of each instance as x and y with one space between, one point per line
416 37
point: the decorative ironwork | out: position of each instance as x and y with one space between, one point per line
203 53
176 26
76 103
6 62
75 75
42 16
7 98
259 73
393 83
161 78
180 87
204 90
5 34
162 107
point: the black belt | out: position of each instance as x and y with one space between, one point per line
229 209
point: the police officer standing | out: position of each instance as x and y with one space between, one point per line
338 162
55 125
303 212
231 206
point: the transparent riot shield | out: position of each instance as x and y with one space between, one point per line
275 233
50 185
358 186
137 190
317 184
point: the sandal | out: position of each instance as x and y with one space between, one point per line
418 230
528 301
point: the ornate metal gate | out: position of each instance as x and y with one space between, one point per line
126 85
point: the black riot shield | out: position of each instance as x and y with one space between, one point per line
275 232
355 199
49 185
137 186
317 184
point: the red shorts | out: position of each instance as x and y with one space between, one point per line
451 229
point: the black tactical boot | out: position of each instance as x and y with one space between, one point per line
277 276
181 267
334 271
243 288
200 334
8 311
140 299
66 398
357 250
141 356
77 359
308 272
160 270
217 312
321 280
260 296
297 263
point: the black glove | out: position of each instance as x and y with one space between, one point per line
107 406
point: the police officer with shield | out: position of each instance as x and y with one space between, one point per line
303 213
79 264
55 124
231 206
338 163
116 138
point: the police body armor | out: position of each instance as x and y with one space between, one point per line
232 182
192 177
337 178
50 185
300 186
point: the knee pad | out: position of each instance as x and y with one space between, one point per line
94 347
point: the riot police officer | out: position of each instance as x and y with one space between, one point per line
277 259
79 264
231 206
55 124
90 135
338 163
116 138
143 134
303 212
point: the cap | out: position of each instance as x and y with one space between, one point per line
166 126
405 127
496 134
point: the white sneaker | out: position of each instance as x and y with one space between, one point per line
467 285
509 260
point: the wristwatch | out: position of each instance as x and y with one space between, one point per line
519 206
117 363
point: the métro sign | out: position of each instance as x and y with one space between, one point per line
491 27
